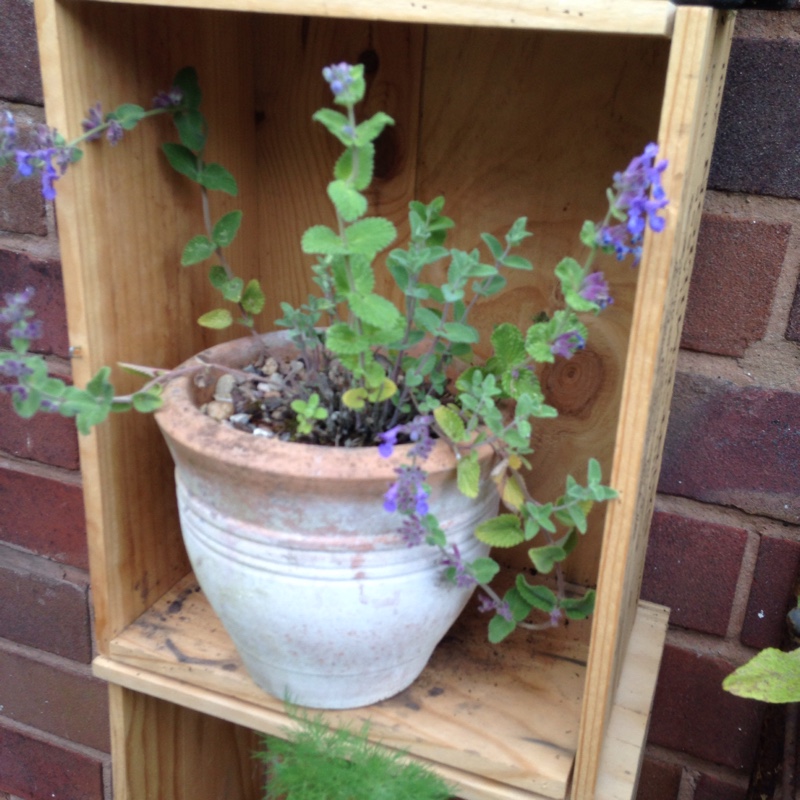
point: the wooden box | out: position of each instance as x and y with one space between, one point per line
507 107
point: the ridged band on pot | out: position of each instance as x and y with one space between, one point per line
322 597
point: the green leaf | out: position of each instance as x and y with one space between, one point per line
321 240
349 202
460 333
343 340
186 80
452 427
217 178
217 319
374 310
493 243
500 628
181 159
771 676
336 123
128 115
226 228
147 402
537 343
369 236
253 297
355 398
570 273
518 232
484 569
218 276
546 557
503 530
536 596
192 129
370 129
232 291
509 345
579 607
197 249
468 474
364 164
517 262
427 319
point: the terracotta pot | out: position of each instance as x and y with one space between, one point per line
326 604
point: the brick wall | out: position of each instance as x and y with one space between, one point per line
724 548
53 713
725 543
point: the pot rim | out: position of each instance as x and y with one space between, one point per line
184 425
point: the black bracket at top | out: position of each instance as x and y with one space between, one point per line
763 5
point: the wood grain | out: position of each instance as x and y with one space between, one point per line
510 128
464 714
643 17
506 122
691 104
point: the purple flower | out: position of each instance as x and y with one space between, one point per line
170 99
16 315
12 368
49 177
594 288
638 197
389 440
339 77
94 119
461 574
408 494
418 431
413 531
26 164
499 606
567 344
114 132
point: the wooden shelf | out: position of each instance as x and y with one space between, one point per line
507 108
463 716
642 17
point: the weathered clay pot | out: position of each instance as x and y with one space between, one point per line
326 604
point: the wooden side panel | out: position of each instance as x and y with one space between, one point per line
644 17
512 127
124 217
162 751
698 62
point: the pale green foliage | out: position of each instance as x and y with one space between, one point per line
318 763
772 676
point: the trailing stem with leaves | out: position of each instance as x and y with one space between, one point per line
377 373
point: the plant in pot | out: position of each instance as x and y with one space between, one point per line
341 483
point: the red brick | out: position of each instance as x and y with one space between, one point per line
735 446
736 271
44 516
22 209
772 593
53 697
710 788
47 438
692 566
658 781
793 326
19 270
40 769
692 713
39 610
20 78
755 149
